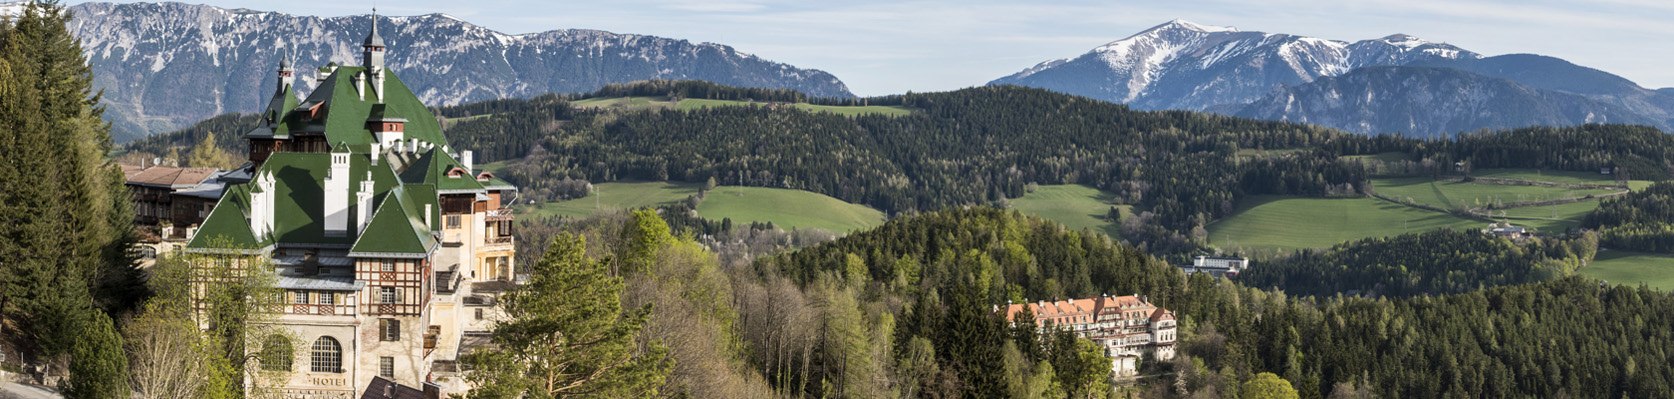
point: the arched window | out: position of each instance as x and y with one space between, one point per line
277 353
327 356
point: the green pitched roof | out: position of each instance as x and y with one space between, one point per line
394 230
432 168
279 110
227 226
346 112
299 190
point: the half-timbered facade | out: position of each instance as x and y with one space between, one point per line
377 229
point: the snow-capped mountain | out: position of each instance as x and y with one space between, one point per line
1183 65
165 65
1431 100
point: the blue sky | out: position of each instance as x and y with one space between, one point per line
886 47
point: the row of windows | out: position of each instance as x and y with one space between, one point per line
385 295
326 354
305 297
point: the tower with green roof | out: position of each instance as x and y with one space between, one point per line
389 247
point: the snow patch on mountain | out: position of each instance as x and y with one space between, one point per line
1186 65
165 65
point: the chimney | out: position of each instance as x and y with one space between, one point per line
427 222
360 86
465 157
261 205
377 152
363 203
337 193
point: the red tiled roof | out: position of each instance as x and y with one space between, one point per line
168 176
1066 311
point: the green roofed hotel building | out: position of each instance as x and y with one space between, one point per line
389 245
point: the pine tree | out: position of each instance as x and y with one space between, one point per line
98 368
68 214
567 335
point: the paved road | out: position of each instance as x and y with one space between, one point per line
12 390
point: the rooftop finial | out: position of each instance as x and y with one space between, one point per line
372 39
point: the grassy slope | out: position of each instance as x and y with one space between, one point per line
1552 218
1292 223
618 196
1076 206
1382 156
633 103
698 103
1452 195
787 209
1633 268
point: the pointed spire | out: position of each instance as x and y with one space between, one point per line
372 39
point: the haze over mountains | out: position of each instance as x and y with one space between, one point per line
165 65
1183 65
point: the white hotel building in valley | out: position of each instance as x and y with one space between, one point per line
1127 327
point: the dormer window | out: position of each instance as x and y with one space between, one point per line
485 176
457 172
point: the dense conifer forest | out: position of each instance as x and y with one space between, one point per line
1437 262
1640 221
938 275
907 309
977 146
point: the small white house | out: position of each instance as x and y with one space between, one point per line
1218 266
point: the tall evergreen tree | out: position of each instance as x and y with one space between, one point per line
567 335
64 212
98 369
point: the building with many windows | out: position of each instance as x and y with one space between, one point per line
379 231
1127 327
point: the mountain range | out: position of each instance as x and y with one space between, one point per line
163 66
1395 84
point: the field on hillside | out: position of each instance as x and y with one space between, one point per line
1559 176
1633 268
1454 195
698 103
1076 206
619 196
1550 218
632 103
787 209
623 102
1381 157
1271 222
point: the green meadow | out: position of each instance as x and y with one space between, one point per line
1076 206
1633 268
787 209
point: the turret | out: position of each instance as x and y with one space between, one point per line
372 57
372 50
285 73
337 193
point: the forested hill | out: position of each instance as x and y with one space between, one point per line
1180 170
931 280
